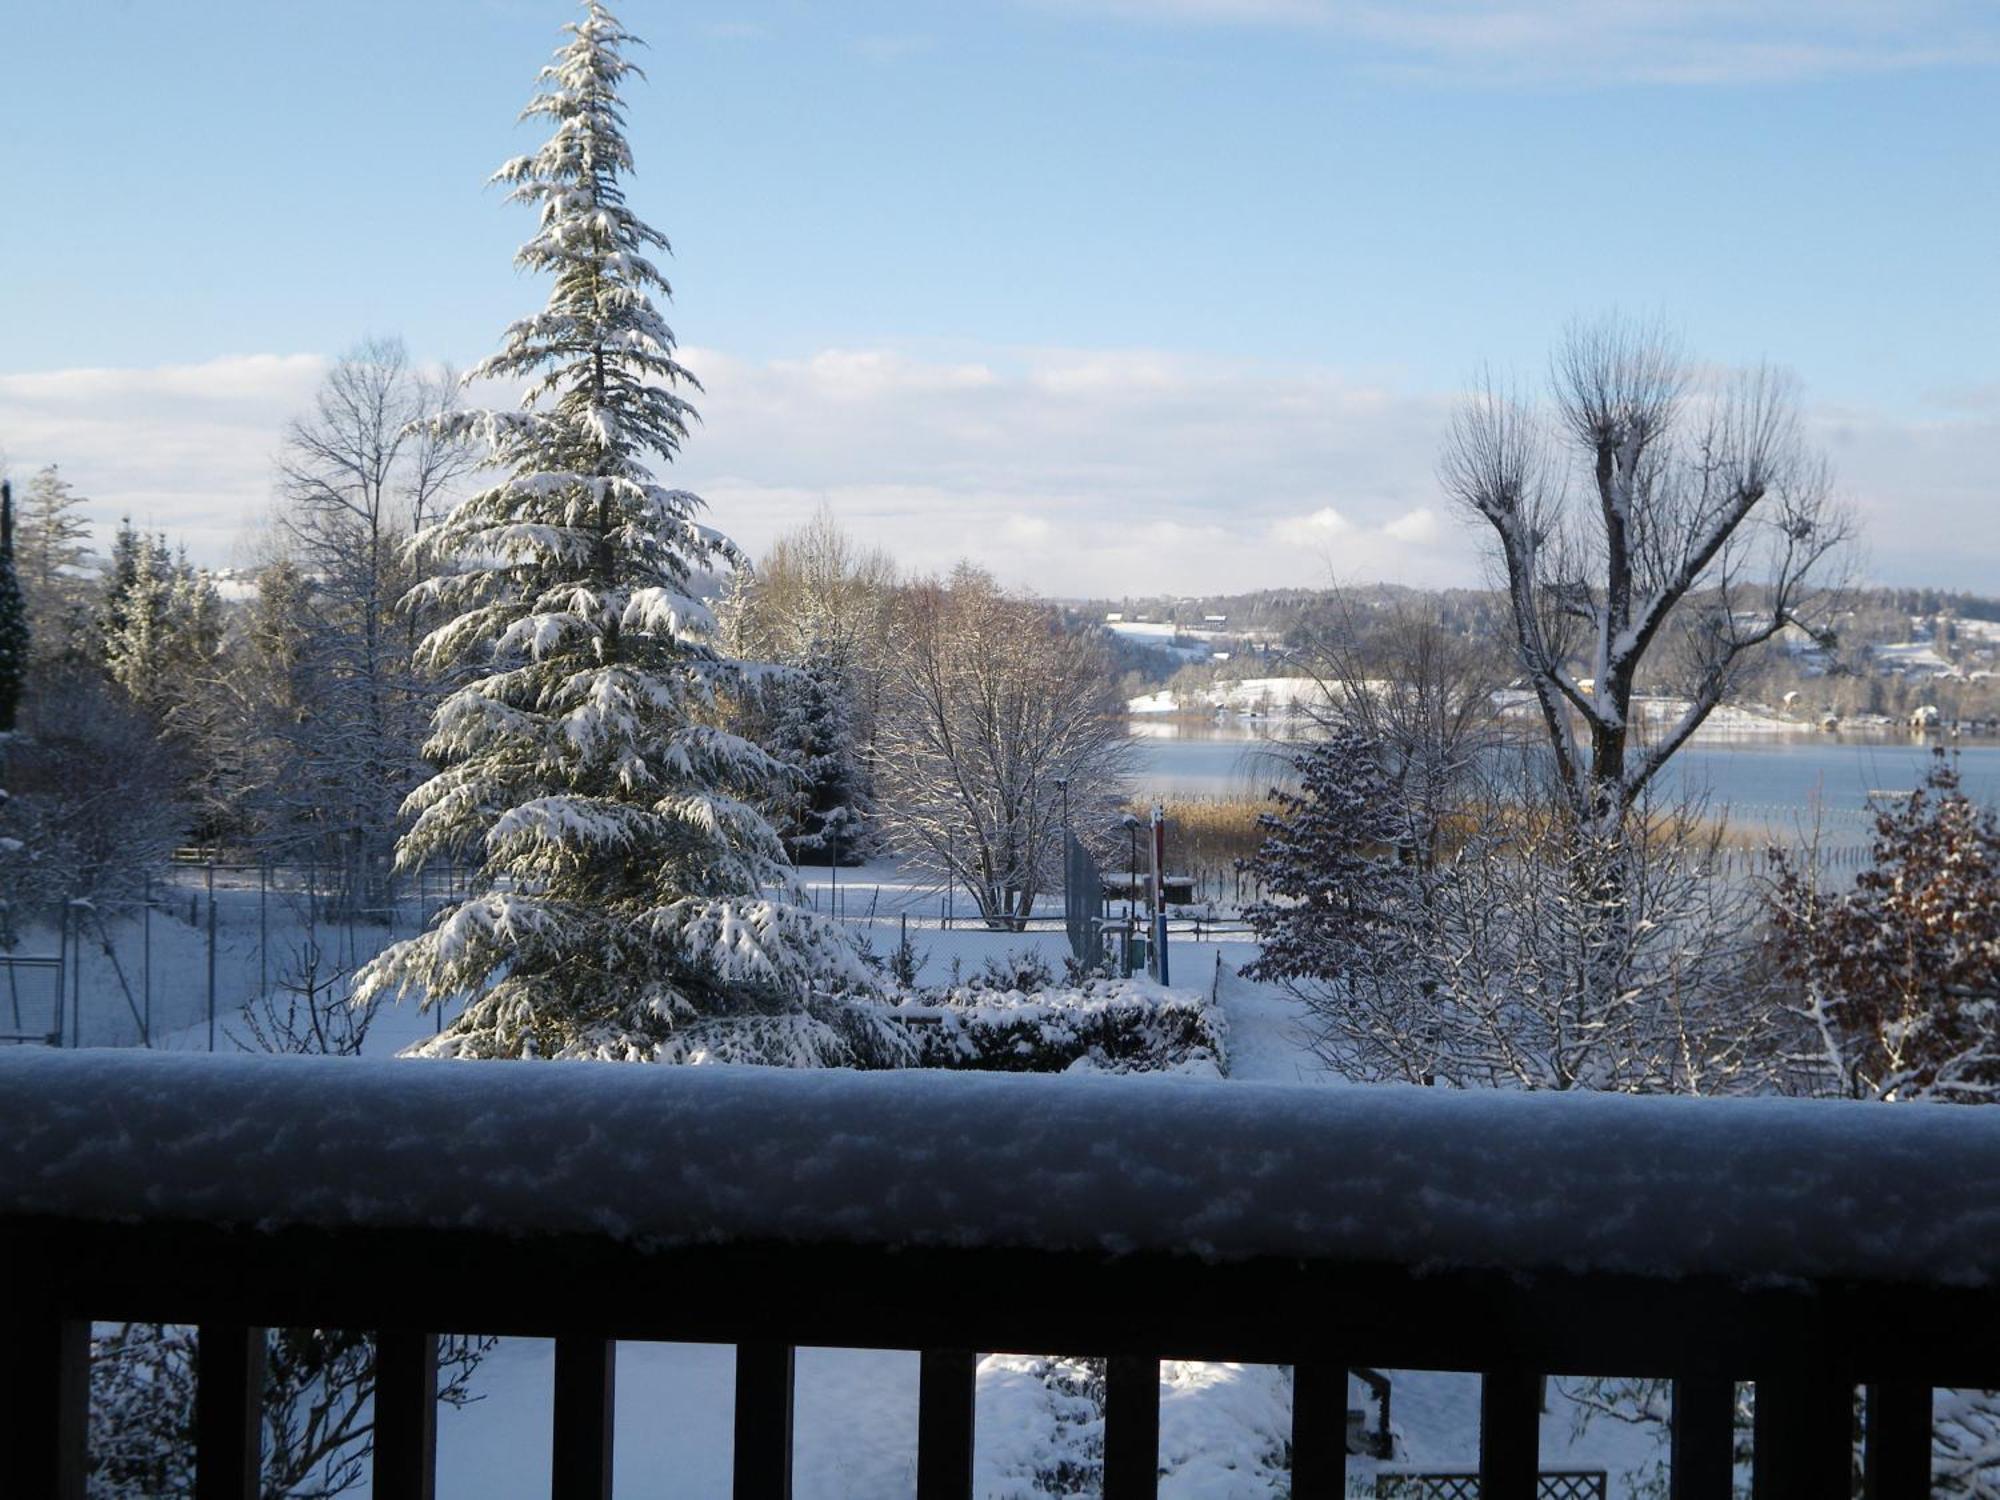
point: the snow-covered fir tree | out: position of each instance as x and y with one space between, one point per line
162 623
628 908
1337 906
50 553
812 730
14 636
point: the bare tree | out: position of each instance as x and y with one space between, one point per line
816 592
359 474
1650 527
995 721
819 604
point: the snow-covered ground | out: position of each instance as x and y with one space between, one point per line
1223 1426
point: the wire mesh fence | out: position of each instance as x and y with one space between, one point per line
175 966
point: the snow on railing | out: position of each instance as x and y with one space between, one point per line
1421 1177
1807 1246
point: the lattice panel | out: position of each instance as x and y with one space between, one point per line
1555 1485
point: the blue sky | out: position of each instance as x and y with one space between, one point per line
1106 294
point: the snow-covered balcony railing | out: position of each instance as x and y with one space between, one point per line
1811 1247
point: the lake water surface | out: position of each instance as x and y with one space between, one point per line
1770 781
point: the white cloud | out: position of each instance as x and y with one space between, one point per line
182 448
1076 471
1069 471
1420 526
1314 530
1599 41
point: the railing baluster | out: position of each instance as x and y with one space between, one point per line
585 1403
763 1461
1319 1431
1703 1454
946 1384
228 1412
1510 1434
1804 1436
405 1415
1898 1462
44 1402
1131 1428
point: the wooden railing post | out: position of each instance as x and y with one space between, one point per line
1898 1452
44 1402
946 1387
1703 1451
763 1459
405 1415
585 1406
1131 1428
1510 1434
1804 1437
228 1412
1319 1431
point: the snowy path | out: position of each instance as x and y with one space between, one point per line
1269 1031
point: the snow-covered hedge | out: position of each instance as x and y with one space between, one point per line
1103 1026
1224 1170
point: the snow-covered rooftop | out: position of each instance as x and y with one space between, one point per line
1223 1170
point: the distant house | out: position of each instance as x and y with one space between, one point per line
1925 717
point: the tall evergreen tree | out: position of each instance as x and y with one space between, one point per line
625 865
1340 908
163 624
14 636
823 812
50 554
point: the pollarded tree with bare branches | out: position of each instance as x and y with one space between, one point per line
1652 526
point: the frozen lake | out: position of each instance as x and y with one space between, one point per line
1769 780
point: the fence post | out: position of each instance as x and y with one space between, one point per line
228 1412
63 971
405 1459
946 1382
586 1371
44 1401
763 1457
1319 1430
1510 1430
211 955
1131 1428
76 982
1804 1434
146 956
1702 1455
1898 1452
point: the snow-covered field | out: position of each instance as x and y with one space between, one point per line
1224 1427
